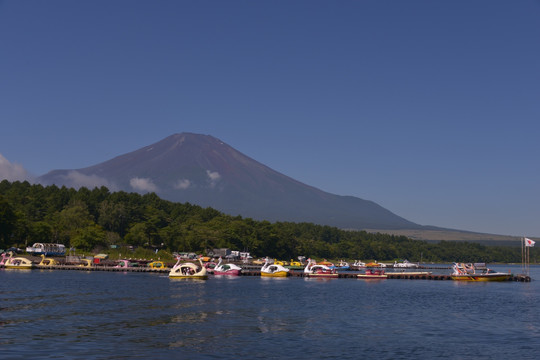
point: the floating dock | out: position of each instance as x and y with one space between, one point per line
253 271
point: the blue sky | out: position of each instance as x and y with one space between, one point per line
428 108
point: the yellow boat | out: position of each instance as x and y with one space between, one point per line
157 265
45 261
86 263
18 263
295 265
273 270
188 271
279 262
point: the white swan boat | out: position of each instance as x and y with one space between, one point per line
405 264
318 270
188 271
358 264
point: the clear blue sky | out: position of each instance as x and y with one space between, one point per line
428 108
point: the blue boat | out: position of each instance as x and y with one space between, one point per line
47 249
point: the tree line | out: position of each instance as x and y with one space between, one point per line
96 219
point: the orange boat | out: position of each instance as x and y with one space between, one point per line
375 264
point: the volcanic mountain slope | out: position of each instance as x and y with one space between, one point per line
203 170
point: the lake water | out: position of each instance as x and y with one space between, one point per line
110 315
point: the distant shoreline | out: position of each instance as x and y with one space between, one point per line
453 235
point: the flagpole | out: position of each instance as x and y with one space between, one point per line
523 254
528 260
526 249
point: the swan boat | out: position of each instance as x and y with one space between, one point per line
188 271
318 270
373 274
405 264
45 261
156 265
358 264
17 262
273 270
125 263
468 272
5 257
343 265
86 263
295 265
227 269
210 266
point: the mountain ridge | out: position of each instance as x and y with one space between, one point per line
203 170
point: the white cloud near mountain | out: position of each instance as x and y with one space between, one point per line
143 184
213 177
182 184
77 180
12 172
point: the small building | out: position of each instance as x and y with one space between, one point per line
224 252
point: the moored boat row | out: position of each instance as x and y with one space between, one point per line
313 269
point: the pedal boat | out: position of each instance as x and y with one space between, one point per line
45 261
188 271
227 269
273 270
294 265
319 270
18 263
156 265
86 263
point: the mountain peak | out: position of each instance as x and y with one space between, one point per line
203 170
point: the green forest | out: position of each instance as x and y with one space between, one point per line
93 220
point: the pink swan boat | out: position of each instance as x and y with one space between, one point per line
227 269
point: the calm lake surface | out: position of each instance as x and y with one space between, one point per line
110 315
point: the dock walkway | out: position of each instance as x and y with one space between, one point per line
253 271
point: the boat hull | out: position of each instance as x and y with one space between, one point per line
275 274
472 277
22 267
229 273
18 263
410 273
333 275
197 277
365 276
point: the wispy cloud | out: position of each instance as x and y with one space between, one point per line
12 172
77 180
182 184
143 184
213 177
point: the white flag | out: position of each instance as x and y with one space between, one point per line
529 242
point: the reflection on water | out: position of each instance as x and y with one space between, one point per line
106 315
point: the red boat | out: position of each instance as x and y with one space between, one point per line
373 274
